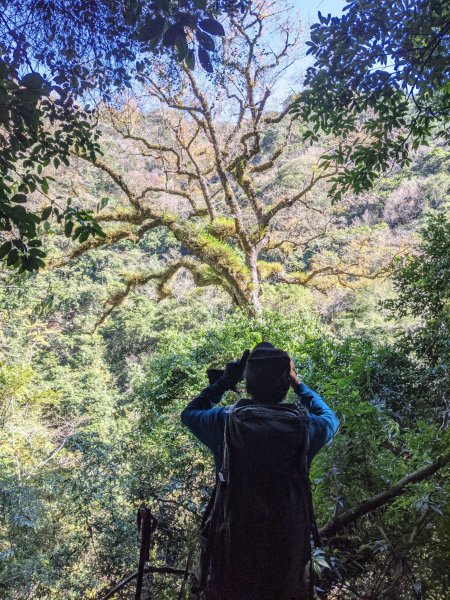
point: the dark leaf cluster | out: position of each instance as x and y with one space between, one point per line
381 69
82 48
37 130
423 286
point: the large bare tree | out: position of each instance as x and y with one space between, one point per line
209 155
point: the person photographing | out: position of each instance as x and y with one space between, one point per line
256 531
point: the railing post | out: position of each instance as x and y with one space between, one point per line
146 524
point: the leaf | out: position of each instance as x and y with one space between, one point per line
46 213
182 47
20 245
155 42
417 588
37 252
205 60
151 29
130 12
5 248
32 81
205 42
163 5
190 60
171 34
322 562
322 19
68 228
83 236
212 26
21 198
200 4
13 257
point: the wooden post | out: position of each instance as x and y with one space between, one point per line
146 524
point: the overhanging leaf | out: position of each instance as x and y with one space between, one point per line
205 41
205 60
151 28
212 26
171 34
190 60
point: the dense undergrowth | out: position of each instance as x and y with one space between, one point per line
90 427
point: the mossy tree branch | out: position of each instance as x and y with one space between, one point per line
203 276
207 162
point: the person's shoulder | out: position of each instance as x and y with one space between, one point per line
221 412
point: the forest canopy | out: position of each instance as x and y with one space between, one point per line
57 56
158 217
385 62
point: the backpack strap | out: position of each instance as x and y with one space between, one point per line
314 529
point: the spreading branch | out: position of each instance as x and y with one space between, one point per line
201 274
366 506
210 159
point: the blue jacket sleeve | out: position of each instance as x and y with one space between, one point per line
204 420
322 421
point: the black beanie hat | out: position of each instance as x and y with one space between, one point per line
266 371
267 351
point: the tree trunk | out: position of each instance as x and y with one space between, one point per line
252 262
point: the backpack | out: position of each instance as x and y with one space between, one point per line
256 532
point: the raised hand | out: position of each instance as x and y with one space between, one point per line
293 377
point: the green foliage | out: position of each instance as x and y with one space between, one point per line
224 256
351 88
223 228
423 282
99 46
114 399
423 286
28 146
89 421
